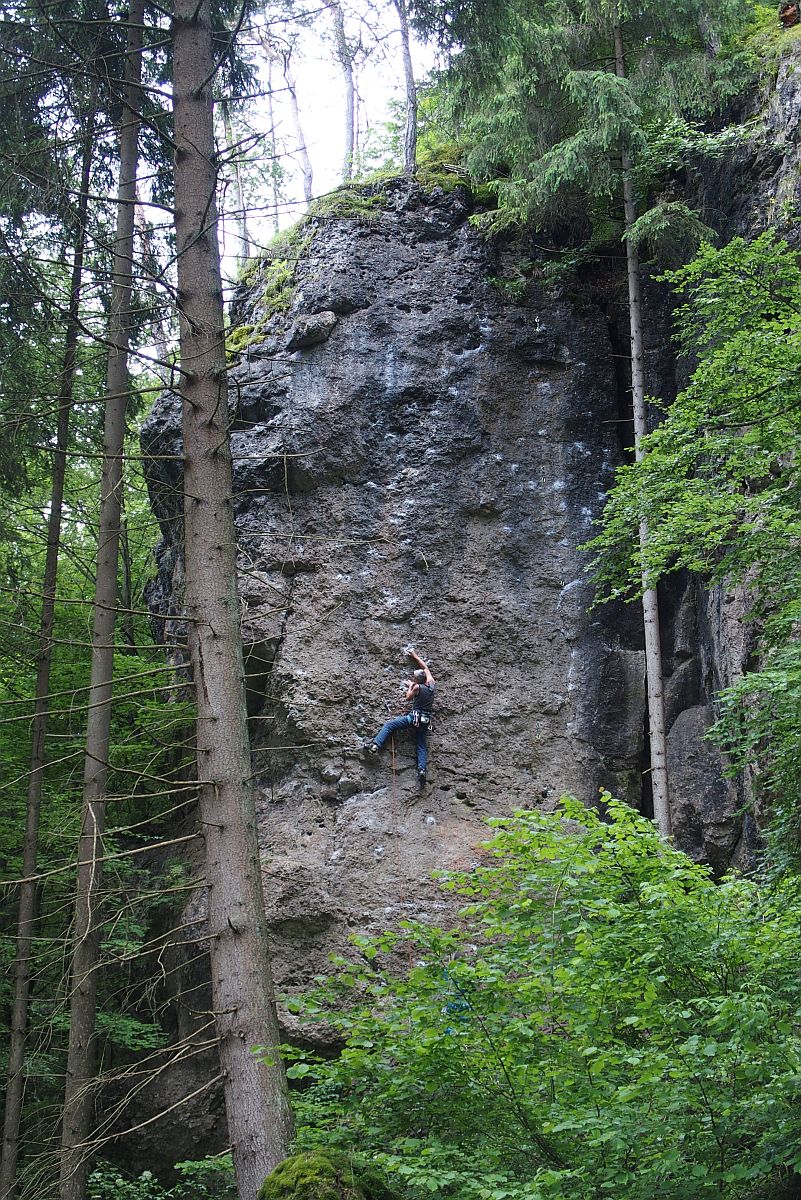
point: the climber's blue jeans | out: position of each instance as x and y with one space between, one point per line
405 722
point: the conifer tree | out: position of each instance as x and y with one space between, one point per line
257 1106
79 1092
28 887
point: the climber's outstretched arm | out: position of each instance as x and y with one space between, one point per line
415 657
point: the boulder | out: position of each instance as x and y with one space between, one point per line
323 1175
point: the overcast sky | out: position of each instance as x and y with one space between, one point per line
320 92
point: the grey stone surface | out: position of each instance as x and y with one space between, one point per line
757 182
417 458
707 820
311 330
424 475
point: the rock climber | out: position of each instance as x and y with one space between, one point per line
420 693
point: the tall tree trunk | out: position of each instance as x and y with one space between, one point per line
273 146
259 1117
653 650
410 132
27 899
303 154
239 195
152 271
126 586
345 60
80 1073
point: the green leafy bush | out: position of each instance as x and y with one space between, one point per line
603 1020
107 1183
203 1179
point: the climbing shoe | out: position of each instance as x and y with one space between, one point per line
421 778
371 749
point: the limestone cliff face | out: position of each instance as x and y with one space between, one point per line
418 456
416 459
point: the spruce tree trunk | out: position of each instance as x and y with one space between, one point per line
80 1073
273 145
345 59
241 212
410 131
653 650
15 1077
259 1117
303 153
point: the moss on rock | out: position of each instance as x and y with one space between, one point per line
349 200
765 42
271 277
238 339
322 1175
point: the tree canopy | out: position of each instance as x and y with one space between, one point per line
544 114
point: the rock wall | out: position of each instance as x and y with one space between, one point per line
418 455
416 459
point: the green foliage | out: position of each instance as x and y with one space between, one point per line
272 276
381 152
150 742
322 1175
128 1032
513 286
764 41
674 142
276 280
107 1183
240 337
355 200
671 231
540 107
721 490
204 1179
603 1019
